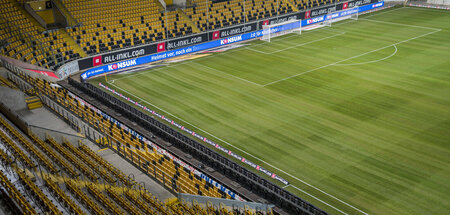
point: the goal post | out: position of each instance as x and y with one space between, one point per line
327 20
351 13
282 28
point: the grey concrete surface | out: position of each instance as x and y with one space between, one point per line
43 120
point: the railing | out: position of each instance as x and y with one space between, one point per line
239 205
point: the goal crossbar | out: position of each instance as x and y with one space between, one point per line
282 28
327 20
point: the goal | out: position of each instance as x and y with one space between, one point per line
282 28
327 20
351 13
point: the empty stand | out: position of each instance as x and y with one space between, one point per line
212 15
79 168
26 41
112 25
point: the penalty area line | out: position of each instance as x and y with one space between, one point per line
337 62
373 61
259 159
295 46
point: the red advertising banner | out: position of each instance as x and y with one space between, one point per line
96 61
307 14
161 47
216 35
345 6
49 74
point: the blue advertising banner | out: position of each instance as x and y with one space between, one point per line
216 43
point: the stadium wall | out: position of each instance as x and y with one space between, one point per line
162 53
144 50
30 69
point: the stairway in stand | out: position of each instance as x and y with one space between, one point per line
19 7
72 43
293 6
189 21
70 20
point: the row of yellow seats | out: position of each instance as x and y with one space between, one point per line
17 152
140 164
49 208
186 182
137 201
29 147
104 200
105 174
72 159
82 197
55 157
16 196
60 195
127 205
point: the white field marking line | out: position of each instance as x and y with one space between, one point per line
331 206
251 49
293 44
148 71
373 61
298 45
295 35
401 24
337 62
309 31
242 79
376 14
428 9
256 158
286 186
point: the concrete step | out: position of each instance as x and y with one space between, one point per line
33 102
294 7
19 7
189 21
70 20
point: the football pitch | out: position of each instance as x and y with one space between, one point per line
355 116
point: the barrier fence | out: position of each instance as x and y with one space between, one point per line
255 183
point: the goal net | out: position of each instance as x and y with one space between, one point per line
283 28
327 20
351 13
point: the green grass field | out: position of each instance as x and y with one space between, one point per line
356 117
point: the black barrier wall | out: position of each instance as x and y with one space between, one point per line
283 199
135 52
